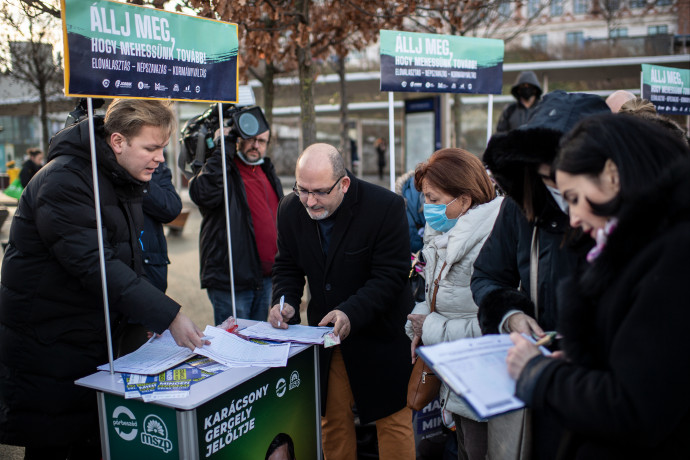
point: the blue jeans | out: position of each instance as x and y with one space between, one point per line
250 303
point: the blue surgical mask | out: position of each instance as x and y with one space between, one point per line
246 161
435 215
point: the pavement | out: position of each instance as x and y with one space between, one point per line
183 271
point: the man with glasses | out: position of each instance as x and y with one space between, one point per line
254 190
349 238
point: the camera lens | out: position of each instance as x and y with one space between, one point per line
248 124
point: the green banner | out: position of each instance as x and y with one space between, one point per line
667 88
440 63
120 50
243 422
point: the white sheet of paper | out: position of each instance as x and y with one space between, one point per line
294 333
233 351
155 356
475 368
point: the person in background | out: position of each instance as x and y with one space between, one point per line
513 294
31 165
162 204
414 208
621 392
637 106
52 323
460 209
349 239
380 147
527 93
254 191
616 99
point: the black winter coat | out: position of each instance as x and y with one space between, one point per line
623 392
365 276
503 265
161 205
206 190
52 326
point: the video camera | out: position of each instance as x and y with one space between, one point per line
197 134
81 110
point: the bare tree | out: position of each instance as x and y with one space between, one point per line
492 18
28 56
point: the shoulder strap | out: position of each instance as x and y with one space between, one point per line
534 271
432 307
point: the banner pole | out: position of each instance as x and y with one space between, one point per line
99 231
489 117
391 140
227 207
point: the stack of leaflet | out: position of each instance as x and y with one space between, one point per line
295 333
174 383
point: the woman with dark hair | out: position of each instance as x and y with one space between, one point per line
460 209
623 390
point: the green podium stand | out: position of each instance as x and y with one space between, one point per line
231 415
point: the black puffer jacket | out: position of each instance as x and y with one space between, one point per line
52 327
206 190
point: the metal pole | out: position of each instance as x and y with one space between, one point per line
489 118
227 206
99 230
391 140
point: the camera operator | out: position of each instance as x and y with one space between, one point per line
254 190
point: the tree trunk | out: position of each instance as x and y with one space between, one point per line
44 119
457 119
306 80
269 96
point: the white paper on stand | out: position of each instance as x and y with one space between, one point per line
476 369
233 351
294 333
155 356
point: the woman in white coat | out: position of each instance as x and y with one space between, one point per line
460 209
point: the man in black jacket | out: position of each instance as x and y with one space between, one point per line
52 324
31 166
349 238
254 190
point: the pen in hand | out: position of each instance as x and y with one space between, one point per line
282 304
546 340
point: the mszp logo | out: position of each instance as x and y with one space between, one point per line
155 434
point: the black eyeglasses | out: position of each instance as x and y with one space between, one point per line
301 193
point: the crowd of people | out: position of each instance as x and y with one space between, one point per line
575 221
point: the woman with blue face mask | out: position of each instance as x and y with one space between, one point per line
460 207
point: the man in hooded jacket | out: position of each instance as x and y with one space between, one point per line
52 323
527 93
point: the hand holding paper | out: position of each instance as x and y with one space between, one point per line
340 321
